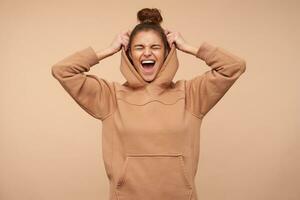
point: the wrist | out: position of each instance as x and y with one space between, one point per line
191 50
105 53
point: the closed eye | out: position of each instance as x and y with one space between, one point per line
155 46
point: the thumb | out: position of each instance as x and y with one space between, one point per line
129 32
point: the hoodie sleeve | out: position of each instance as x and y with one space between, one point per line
205 90
95 95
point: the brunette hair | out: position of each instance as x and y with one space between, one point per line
150 19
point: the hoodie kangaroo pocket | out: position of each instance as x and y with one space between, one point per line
153 176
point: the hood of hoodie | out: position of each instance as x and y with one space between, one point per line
164 76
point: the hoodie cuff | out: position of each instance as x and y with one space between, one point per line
204 50
90 55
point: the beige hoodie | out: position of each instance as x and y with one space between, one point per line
150 131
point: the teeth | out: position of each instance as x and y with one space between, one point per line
148 61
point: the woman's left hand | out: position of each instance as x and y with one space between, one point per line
176 37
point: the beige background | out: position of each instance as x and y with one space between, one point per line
51 149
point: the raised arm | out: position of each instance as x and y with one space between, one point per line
95 95
205 90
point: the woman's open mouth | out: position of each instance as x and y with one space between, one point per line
148 66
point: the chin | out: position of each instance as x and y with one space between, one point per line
148 79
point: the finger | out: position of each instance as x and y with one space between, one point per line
170 42
170 38
124 33
126 45
128 32
167 31
170 35
125 42
125 38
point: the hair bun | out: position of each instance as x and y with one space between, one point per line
148 15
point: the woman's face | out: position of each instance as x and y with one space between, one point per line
147 53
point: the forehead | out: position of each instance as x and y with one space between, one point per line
147 38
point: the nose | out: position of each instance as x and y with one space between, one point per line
147 52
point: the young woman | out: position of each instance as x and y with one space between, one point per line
150 124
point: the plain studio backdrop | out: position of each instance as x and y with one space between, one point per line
50 148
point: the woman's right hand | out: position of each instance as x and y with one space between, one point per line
121 39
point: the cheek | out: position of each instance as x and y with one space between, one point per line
160 58
135 58
159 55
